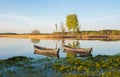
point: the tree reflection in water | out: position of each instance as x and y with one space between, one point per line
35 41
74 44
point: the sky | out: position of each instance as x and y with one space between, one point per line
22 16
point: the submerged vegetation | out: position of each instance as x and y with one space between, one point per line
95 66
100 66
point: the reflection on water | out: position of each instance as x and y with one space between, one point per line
35 41
77 54
71 53
74 44
24 47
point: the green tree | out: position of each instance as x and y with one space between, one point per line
71 22
35 31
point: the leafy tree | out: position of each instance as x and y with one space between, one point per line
35 31
71 22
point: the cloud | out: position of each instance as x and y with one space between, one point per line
23 23
106 22
100 18
27 20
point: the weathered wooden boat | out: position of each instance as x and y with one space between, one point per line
82 51
46 51
78 54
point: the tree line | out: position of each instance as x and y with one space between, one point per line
100 32
8 33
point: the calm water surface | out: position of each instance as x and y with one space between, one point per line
10 47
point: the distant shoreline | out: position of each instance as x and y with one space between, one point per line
56 36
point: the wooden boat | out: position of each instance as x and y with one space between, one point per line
46 51
78 54
84 51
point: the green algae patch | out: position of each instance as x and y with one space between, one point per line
111 74
17 58
93 66
1 61
98 66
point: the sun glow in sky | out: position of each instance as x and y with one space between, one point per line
22 16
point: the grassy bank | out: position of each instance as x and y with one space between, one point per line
99 66
60 36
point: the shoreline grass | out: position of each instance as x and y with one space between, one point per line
60 37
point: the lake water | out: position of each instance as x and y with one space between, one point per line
10 47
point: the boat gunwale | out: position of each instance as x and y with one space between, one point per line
46 51
77 49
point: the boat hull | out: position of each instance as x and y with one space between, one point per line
46 51
82 51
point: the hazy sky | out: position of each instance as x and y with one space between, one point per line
26 15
